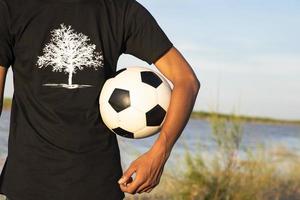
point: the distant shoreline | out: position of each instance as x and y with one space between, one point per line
249 119
206 115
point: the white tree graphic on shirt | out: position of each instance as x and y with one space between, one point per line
69 51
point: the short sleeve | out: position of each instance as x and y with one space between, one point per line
143 37
6 55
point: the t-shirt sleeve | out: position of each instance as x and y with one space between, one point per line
143 37
6 55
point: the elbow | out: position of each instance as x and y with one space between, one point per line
191 84
196 85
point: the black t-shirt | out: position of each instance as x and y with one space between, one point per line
61 52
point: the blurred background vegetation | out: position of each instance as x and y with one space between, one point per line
261 174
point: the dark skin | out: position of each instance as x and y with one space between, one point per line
148 167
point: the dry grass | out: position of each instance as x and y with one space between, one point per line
263 174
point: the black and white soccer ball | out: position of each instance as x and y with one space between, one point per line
134 103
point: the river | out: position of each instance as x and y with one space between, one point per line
196 132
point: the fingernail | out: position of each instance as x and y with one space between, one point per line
121 180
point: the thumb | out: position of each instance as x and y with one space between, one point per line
127 174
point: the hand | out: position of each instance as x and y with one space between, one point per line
148 168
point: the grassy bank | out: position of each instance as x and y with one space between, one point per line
263 174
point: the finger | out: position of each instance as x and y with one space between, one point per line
149 190
128 181
127 174
124 186
142 187
132 187
127 187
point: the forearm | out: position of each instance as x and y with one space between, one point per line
181 105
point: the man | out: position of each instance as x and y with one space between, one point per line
61 52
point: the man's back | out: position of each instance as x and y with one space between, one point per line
61 53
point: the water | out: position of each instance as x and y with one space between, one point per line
196 132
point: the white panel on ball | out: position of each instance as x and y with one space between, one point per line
132 119
126 80
109 115
138 69
105 94
143 97
164 95
145 131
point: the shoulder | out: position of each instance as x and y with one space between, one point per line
16 5
125 4
3 3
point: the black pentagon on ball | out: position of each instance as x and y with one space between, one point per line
155 116
119 99
123 132
151 78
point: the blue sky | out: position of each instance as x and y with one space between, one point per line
245 53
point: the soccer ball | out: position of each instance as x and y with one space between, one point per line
134 103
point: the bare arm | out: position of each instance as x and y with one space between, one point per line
149 166
186 86
3 72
